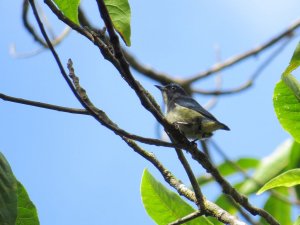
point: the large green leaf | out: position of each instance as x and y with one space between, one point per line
8 194
229 168
287 109
27 214
268 168
286 98
287 179
163 205
119 11
69 8
278 208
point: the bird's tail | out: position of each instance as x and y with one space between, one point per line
224 127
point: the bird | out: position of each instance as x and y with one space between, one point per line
187 114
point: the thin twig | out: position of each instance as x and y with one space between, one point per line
252 78
200 199
55 41
28 26
187 218
43 105
149 72
287 33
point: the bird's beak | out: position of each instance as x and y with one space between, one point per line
161 88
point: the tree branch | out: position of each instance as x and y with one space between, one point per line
32 31
148 71
200 199
288 33
102 118
187 218
43 105
252 78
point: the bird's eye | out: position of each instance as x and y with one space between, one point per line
173 88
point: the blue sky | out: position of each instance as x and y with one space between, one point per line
78 172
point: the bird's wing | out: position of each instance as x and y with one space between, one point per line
190 103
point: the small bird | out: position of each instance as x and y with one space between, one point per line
187 114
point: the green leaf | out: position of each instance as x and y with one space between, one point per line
27 214
294 62
297 222
278 208
286 98
294 161
227 168
163 205
15 205
287 179
269 167
69 8
119 12
293 84
287 109
8 193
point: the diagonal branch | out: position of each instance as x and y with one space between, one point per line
288 33
252 78
187 218
200 199
148 71
102 118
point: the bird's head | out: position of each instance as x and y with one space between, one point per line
171 91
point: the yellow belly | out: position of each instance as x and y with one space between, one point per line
190 122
